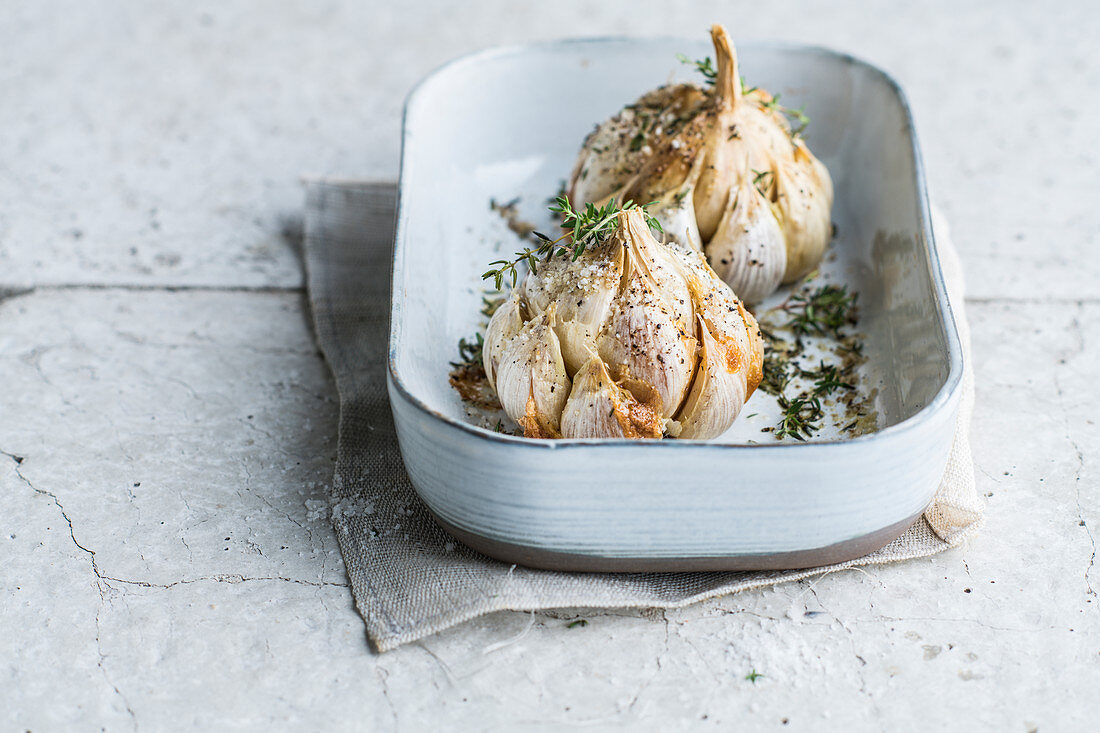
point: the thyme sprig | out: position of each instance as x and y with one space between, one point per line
776 374
801 416
587 226
796 118
704 67
827 380
825 310
762 180
490 303
469 353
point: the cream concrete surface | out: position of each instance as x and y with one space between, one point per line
167 427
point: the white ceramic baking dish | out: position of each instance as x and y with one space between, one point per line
508 122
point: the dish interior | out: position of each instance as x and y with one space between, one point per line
508 124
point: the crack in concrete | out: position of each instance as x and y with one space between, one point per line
719 678
276 444
419 643
988 475
230 578
383 676
103 579
100 582
103 668
879 618
14 457
9 292
269 504
657 672
34 359
190 554
1081 516
852 642
64 515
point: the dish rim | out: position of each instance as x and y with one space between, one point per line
944 396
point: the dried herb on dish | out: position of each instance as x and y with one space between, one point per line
827 314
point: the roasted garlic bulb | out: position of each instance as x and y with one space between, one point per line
631 338
729 176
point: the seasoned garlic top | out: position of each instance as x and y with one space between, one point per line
727 172
630 338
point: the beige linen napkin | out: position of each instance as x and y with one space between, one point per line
409 578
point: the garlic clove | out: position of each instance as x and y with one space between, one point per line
650 329
659 264
605 166
718 393
817 170
531 380
598 407
804 210
749 249
728 320
644 336
676 213
676 160
730 362
675 210
768 130
506 322
593 403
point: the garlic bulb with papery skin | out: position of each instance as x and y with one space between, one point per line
728 177
632 339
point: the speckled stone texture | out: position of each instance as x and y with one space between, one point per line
167 428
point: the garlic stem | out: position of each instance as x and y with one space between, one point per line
727 84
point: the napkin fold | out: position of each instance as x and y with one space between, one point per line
408 577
